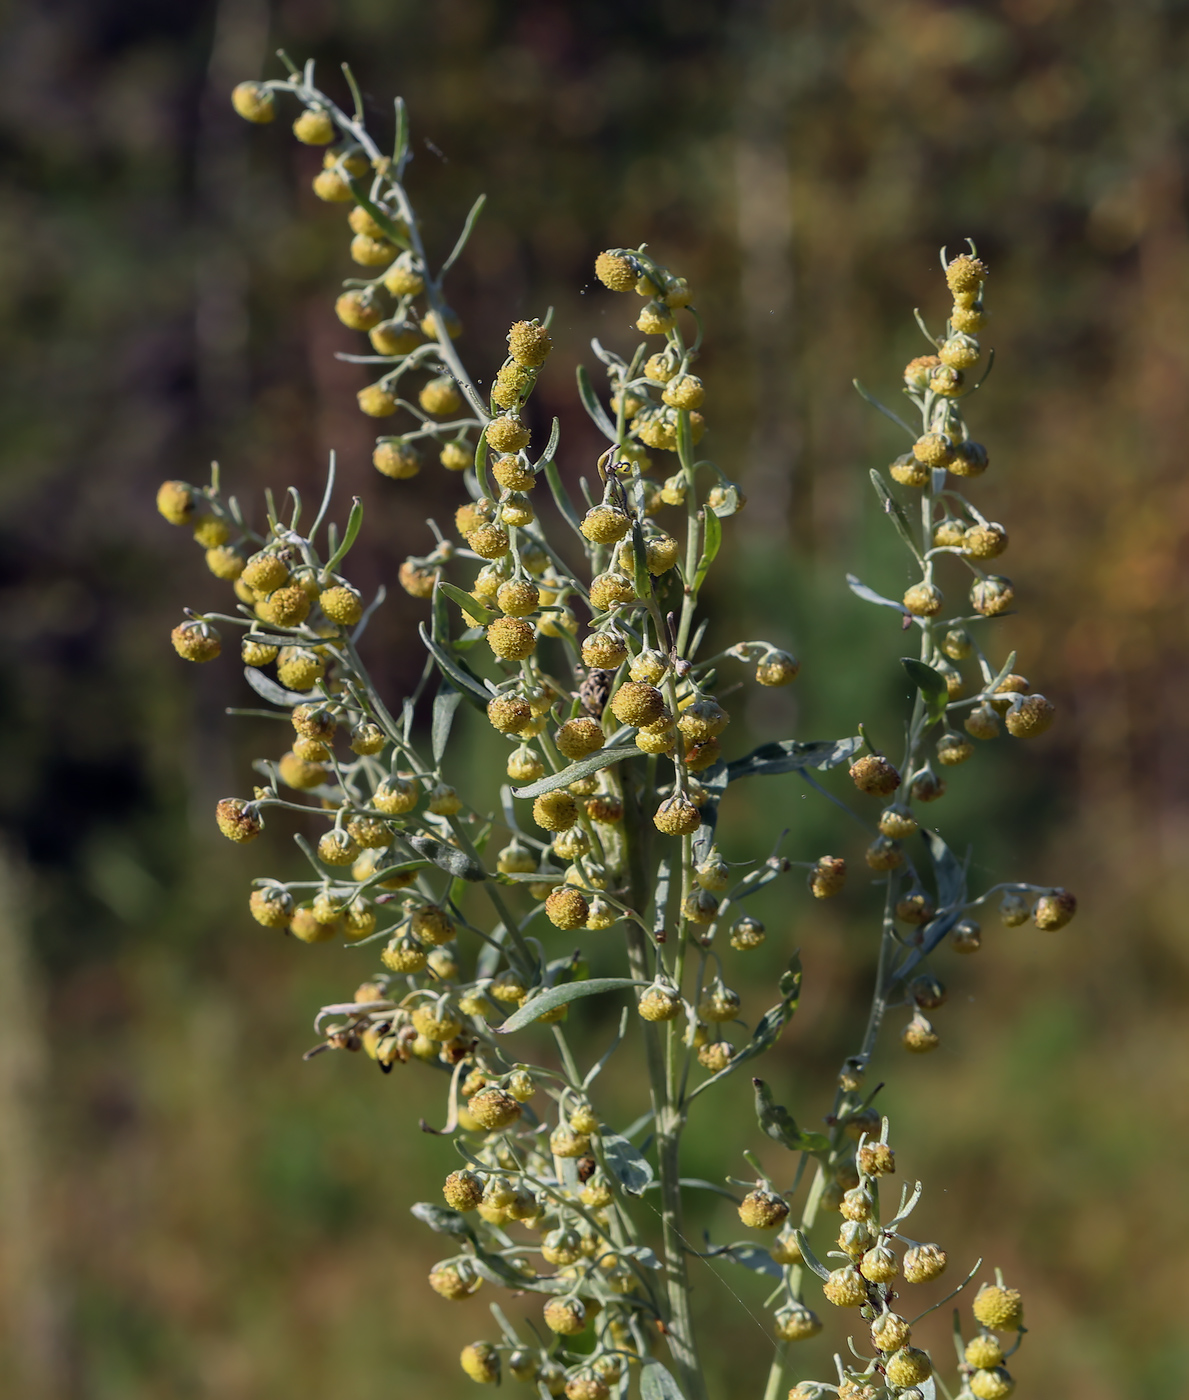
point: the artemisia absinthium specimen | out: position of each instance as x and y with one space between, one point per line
616 758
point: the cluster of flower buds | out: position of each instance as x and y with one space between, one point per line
615 725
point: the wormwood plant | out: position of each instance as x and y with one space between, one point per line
616 771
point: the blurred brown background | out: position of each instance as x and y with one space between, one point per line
188 1210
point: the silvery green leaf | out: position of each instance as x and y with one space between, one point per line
445 703
895 510
657 1384
752 1256
445 857
470 605
949 871
594 408
811 1259
629 1165
869 595
463 680
582 769
438 1218
789 756
778 1123
269 690
553 997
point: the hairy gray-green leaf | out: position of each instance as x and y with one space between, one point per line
752 1256
895 510
445 857
628 1164
869 595
467 603
591 403
948 870
553 997
657 1384
445 1222
790 756
269 690
930 683
445 703
811 1259
582 769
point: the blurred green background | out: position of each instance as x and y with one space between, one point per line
186 1209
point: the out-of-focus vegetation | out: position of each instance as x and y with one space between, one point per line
187 1209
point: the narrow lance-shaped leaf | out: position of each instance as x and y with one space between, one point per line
446 702
593 407
448 858
930 683
711 540
354 521
441 1220
869 595
269 690
895 512
582 769
657 1384
470 606
554 997
948 870
790 756
811 1259
469 684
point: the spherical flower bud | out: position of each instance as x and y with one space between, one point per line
605 807
982 722
614 271
983 1352
949 534
210 531
329 186
762 1209
604 651
953 749
985 541
529 344
1054 910
609 591
511 638
648 667
254 103
965 274
314 127
659 1003
890 1332
992 1384
855 1238
827 877
718 1003
556 810
565 1316
784 1249
404 279
918 370
1029 716
992 595
566 908
395 796
898 822
400 461
933 450
747 933
684 391
924 1262
907 470
463 1190
376 401
397 338
525 766
1013 910
908 1366
969 459
777 668
876 1159
960 351
879 1265
481 1362
565 1142
341 604
637 703
358 311
874 775
337 848
967 936
493 1109
677 816
703 719
196 641
796 1323
507 433
297 773
509 713
655 319
286 607
404 955
884 854
923 600
177 502
968 319
489 541
605 524
845 1288
919 1037
271 906
440 397
579 738
571 845
587 1387
999 1308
